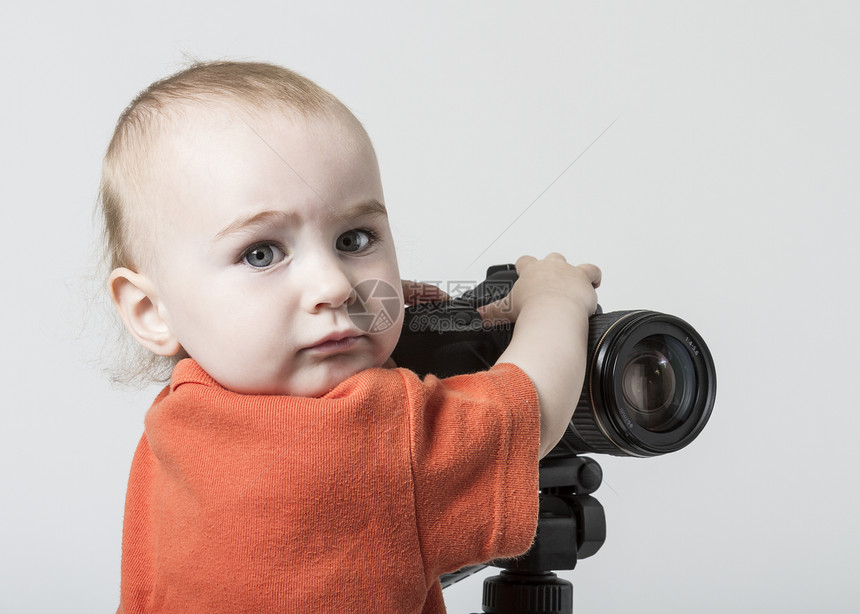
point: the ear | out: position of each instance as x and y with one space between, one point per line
136 299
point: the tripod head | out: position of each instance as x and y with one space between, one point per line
571 526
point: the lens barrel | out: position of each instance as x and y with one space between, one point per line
649 388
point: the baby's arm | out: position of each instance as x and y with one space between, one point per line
550 304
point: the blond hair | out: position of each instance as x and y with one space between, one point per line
248 85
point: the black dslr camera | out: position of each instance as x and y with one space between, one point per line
649 389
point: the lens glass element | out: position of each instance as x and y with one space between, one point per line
659 383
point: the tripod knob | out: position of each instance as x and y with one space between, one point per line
513 592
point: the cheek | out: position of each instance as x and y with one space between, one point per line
387 340
385 266
206 314
237 343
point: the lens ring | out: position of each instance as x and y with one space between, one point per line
606 422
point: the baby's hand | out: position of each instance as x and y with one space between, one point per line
550 303
416 292
543 281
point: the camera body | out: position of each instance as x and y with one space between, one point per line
649 387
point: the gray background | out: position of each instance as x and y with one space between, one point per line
724 192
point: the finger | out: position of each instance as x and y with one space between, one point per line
415 292
523 262
497 312
594 274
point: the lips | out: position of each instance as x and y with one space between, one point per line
334 343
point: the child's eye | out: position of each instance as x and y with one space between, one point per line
354 240
262 256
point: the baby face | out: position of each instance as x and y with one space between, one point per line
263 228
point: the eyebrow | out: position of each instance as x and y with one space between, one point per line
367 208
245 223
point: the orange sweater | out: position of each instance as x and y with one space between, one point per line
353 502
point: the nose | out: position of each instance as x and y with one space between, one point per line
327 285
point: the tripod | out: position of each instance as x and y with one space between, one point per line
571 526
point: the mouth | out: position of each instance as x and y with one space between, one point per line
334 343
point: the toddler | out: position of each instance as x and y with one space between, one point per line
288 466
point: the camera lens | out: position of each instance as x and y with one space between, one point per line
649 388
657 383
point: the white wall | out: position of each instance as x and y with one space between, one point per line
725 191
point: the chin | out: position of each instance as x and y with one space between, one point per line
340 375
